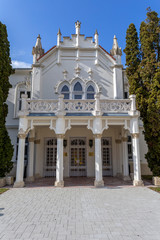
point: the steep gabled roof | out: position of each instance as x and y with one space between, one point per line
55 47
46 52
107 52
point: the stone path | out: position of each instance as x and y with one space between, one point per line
80 213
83 182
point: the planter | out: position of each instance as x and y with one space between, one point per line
9 180
156 181
2 182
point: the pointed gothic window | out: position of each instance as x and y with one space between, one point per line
90 92
65 92
77 91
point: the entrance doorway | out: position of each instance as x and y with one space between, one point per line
50 157
107 156
78 157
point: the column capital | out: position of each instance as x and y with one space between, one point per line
118 140
22 134
60 136
135 135
97 135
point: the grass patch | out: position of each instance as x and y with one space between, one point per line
147 177
2 190
156 189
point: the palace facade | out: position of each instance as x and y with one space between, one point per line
71 115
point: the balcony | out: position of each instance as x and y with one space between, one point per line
96 107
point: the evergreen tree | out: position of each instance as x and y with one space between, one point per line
132 58
6 148
144 79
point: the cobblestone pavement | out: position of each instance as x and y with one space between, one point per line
76 213
83 181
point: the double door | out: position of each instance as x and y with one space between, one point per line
78 157
50 157
107 156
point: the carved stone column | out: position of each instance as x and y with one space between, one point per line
136 160
125 158
118 156
59 167
30 177
98 162
20 161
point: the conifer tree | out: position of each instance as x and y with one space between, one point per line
144 79
132 59
6 148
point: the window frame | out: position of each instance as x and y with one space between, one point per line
90 92
77 93
65 92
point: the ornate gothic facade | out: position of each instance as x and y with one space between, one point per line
73 116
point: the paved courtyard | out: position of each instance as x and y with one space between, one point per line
76 213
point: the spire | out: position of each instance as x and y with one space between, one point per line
77 26
96 33
96 38
59 37
37 51
115 48
59 32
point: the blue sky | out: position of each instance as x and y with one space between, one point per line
25 19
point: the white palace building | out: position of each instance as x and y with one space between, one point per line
70 115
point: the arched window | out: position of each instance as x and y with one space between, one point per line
90 92
65 92
77 91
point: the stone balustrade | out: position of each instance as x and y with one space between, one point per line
42 106
73 106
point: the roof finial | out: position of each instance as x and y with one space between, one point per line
96 33
115 48
59 32
37 51
96 38
59 37
77 26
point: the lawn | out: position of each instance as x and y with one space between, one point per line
157 189
2 190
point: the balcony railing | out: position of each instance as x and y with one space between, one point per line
73 106
43 106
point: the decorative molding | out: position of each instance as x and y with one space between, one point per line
135 135
79 105
118 105
118 141
77 70
67 125
22 134
65 74
90 124
61 136
42 106
72 80
104 125
97 135
126 125
52 125
90 72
